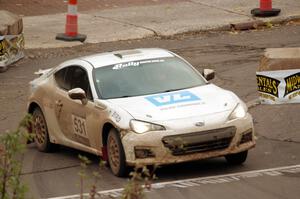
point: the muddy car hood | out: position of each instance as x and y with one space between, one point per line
194 102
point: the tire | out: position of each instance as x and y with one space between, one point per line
116 155
41 137
237 158
3 69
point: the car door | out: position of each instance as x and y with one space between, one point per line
76 120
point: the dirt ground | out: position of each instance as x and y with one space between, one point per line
43 7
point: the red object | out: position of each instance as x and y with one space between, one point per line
265 9
72 19
71 29
265 5
104 153
74 2
71 25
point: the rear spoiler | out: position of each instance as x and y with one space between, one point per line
42 72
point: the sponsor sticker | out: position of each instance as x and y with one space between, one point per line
116 116
135 63
172 98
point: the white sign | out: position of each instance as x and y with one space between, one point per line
279 87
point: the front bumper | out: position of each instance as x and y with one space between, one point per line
223 139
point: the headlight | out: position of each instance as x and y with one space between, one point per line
143 127
239 112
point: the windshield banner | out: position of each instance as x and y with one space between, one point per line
279 87
11 49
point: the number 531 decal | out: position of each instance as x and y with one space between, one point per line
79 126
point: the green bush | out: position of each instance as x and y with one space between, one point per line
12 146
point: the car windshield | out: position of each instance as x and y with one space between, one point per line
145 77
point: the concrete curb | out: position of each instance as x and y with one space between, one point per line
242 26
247 25
257 23
263 23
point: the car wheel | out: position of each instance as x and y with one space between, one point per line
116 155
237 158
41 137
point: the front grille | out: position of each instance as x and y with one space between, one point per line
202 141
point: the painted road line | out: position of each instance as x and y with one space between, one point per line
218 179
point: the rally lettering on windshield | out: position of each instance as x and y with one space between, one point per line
135 63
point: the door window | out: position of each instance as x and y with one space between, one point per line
73 77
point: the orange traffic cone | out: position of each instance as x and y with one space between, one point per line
71 32
265 9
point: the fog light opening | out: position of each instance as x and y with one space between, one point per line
247 137
141 153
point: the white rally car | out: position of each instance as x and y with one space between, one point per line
138 107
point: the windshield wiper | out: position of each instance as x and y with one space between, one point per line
125 96
171 90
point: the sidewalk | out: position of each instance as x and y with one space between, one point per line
151 20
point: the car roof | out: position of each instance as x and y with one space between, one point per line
115 57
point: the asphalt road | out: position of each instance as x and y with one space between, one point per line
234 58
